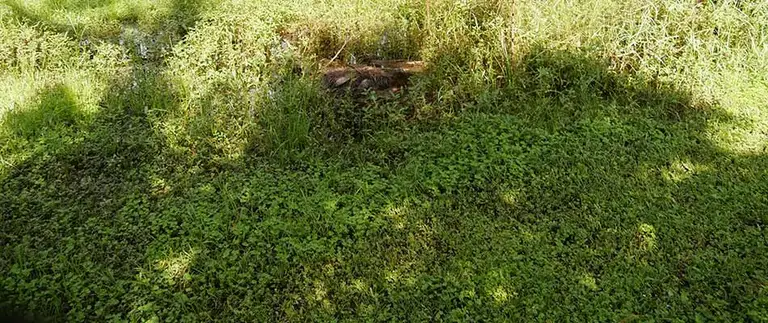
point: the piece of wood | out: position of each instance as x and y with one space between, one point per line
378 75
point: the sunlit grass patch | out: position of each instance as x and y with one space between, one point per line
176 268
46 112
679 171
103 19
645 237
589 282
744 99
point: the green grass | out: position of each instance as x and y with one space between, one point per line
180 160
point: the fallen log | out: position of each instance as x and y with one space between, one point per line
379 75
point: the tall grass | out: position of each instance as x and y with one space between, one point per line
223 69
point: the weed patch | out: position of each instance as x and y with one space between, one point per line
187 161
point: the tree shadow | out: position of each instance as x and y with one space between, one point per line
84 196
551 90
57 108
566 183
70 196
564 190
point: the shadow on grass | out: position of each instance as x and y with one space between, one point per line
81 199
566 190
70 196
57 108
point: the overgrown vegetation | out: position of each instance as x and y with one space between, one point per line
179 160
